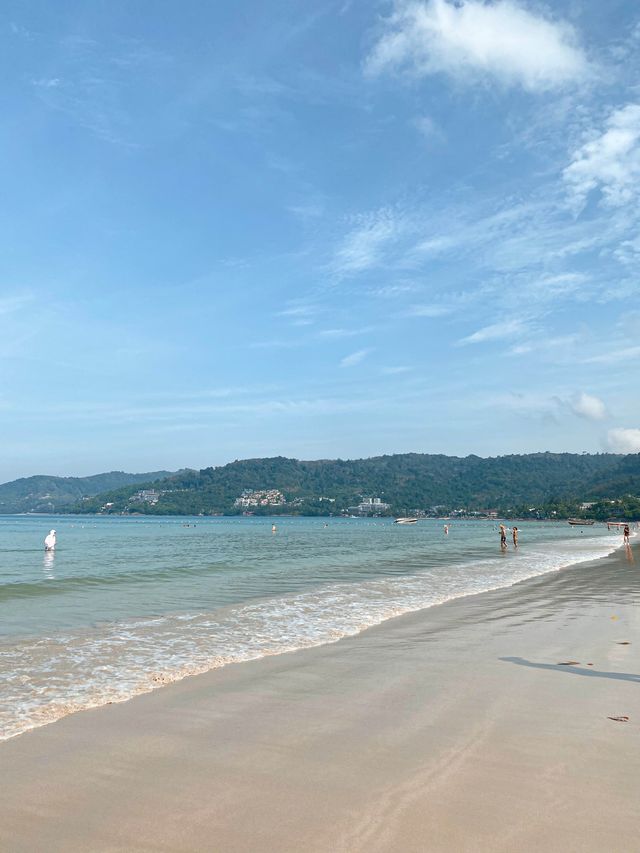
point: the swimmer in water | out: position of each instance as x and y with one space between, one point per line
446 529
50 541
503 537
514 533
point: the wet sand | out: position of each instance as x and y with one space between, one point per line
452 729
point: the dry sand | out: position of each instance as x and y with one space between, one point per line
453 729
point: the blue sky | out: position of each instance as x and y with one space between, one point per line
317 229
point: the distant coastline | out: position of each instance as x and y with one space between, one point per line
530 486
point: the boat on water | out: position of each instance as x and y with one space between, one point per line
405 521
581 522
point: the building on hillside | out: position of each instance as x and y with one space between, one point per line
261 497
149 496
369 506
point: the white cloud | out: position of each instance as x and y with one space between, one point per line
609 162
623 440
354 358
587 406
473 39
496 332
47 82
363 247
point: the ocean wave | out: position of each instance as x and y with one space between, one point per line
46 678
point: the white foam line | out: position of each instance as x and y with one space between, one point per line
132 660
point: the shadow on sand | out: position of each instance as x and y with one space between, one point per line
575 670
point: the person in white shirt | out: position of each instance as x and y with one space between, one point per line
50 541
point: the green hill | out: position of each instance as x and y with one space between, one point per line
42 493
404 481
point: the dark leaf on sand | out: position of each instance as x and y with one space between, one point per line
569 663
624 643
623 719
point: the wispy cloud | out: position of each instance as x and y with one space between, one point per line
427 310
395 371
94 83
429 129
548 345
355 358
301 313
344 333
363 246
496 332
609 161
306 210
47 82
15 302
475 41
615 356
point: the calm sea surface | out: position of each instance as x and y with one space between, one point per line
125 605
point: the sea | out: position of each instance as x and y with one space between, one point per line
126 605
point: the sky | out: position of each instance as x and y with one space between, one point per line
322 229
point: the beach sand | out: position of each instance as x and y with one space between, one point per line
452 729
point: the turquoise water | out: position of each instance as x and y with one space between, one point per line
128 604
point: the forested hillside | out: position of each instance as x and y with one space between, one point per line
42 493
404 481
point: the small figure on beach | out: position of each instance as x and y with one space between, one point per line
446 529
50 541
503 537
625 533
514 533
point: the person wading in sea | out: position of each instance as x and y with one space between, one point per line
514 533
503 537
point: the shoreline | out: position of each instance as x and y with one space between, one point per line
161 679
460 724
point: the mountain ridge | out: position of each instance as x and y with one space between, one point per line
405 481
50 493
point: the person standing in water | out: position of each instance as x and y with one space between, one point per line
625 533
50 541
514 533
503 537
446 529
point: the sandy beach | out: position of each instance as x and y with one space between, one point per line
459 728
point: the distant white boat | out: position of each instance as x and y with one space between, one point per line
405 521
